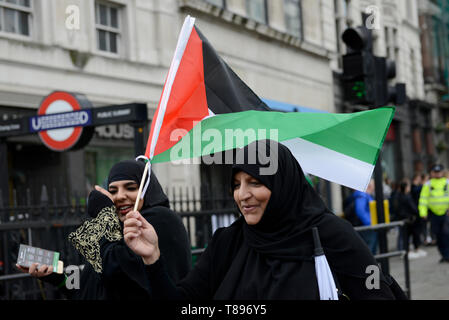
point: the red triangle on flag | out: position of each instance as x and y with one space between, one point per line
187 103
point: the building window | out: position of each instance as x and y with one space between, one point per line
413 73
391 41
417 144
218 3
15 16
430 148
107 24
257 10
292 11
342 21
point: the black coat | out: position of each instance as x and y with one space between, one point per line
406 207
214 273
112 270
124 276
274 259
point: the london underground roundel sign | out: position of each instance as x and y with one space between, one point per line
63 120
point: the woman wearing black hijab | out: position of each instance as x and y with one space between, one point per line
268 254
113 271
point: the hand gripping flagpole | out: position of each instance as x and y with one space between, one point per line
142 190
154 135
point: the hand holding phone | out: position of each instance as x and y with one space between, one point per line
38 262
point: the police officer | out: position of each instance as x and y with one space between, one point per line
434 199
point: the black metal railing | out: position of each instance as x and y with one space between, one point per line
44 225
48 224
397 253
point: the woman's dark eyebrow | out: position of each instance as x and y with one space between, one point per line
130 183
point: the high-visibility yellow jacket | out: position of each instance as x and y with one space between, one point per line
434 196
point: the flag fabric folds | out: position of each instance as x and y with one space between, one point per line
199 84
342 148
205 108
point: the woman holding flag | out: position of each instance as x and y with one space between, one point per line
113 271
273 250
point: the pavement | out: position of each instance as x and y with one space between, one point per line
429 279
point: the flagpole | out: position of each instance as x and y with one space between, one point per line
145 172
180 47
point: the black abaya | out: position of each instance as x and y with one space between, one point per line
274 259
112 270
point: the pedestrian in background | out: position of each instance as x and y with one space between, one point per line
416 187
362 200
415 191
387 187
394 207
434 204
408 210
393 201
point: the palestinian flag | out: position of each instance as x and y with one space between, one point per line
199 84
342 148
206 109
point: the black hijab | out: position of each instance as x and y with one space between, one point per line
276 259
133 170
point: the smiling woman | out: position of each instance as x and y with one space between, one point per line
124 194
251 197
115 262
112 270
269 252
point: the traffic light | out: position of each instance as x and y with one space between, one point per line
385 71
366 76
358 66
395 94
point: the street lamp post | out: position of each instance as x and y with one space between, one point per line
382 235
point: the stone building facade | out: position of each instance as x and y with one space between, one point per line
119 51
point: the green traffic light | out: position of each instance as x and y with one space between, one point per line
359 89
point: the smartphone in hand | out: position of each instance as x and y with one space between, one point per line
29 255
